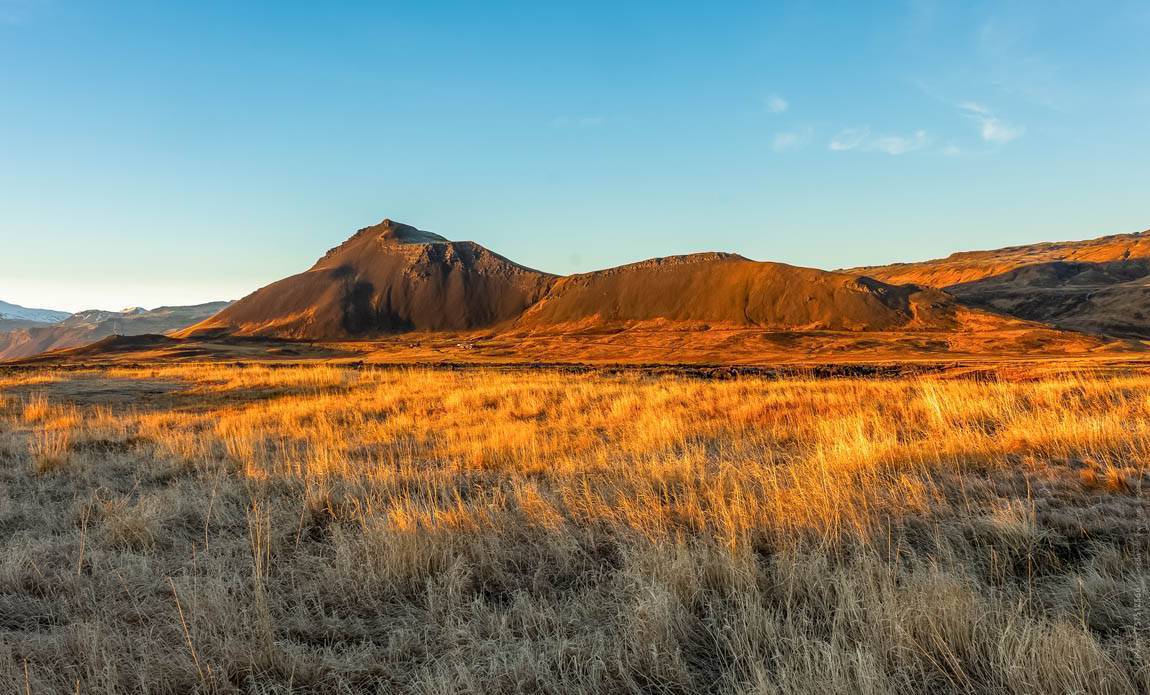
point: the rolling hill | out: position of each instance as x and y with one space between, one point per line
730 290
1100 285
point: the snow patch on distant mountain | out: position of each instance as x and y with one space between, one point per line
13 311
89 326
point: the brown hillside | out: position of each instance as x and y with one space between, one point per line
387 278
971 266
393 278
8 325
1100 285
732 290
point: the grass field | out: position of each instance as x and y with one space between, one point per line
230 529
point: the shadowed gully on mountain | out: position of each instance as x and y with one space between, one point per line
1099 285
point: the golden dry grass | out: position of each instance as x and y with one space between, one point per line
327 529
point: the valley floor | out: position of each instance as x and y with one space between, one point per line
236 528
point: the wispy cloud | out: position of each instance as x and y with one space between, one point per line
776 104
792 139
849 139
899 144
863 140
578 121
991 128
1013 63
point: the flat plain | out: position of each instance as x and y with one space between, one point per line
323 528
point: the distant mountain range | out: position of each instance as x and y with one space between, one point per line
14 312
85 327
392 278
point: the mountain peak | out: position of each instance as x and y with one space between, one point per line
389 277
392 232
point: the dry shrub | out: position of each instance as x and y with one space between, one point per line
36 408
51 449
131 525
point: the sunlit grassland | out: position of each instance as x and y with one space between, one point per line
329 529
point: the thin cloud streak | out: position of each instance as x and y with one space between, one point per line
991 128
862 140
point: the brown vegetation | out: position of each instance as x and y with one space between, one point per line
322 529
688 344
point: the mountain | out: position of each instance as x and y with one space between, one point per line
387 278
88 326
393 278
1100 285
7 325
731 290
13 312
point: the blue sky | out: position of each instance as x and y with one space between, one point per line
176 152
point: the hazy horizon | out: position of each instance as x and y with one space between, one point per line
179 155
191 299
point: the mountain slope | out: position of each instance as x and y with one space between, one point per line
7 325
734 291
1099 285
387 278
392 278
14 312
971 266
88 326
